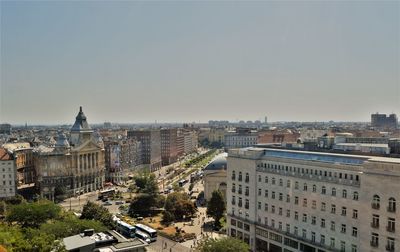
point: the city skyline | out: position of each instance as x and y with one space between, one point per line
171 62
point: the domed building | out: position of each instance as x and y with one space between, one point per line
215 176
71 167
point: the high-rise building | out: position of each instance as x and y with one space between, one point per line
151 146
169 147
5 128
381 121
8 171
286 200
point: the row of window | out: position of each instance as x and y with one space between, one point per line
299 170
376 203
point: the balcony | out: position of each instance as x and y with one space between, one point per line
391 209
374 244
390 229
375 224
390 248
375 205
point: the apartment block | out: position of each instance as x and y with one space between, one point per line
286 201
169 147
151 147
8 174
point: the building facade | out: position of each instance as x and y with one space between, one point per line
8 175
190 141
169 147
381 121
215 176
23 154
240 138
150 141
286 200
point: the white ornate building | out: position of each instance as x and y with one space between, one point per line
287 201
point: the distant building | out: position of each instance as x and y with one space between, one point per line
8 169
131 154
151 147
241 137
278 136
190 141
5 129
169 146
215 176
382 121
180 143
112 154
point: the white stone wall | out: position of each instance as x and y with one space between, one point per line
8 178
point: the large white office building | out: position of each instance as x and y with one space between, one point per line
286 200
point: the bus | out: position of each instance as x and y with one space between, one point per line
148 230
106 193
125 229
182 182
142 235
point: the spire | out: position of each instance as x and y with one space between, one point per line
80 109
81 123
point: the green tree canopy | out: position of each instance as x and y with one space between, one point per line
216 207
142 204
33 214
93 211
226 244
179 205
146 183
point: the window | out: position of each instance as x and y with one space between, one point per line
355 232
333 209
246 192
332 242
314 188
353 248
280 211
273 181
233 175
313 236
280 226
296 215
273 195
273 223
313 220
305 187
280 196
342 246
240 176
376 202
391 225
304 234
323 223
374 240
296 185
344 194
288 213
233 188
296 200
240 189
323 190
375 221
304 202
247 177
247 204
323 206
280 182
355 214
259 191
240 202
390 244
288 228
344 210
288 183
287 198
266 207
314 204
355 195
304 217
259 205
296 230
266 220
392 205
343 230
272 209
233 200
266 193
333 226
333 191
266 179
322 239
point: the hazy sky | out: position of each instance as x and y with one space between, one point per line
196 61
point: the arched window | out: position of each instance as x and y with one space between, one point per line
314 188
333 191
305 187
344 194
376 202
240 176
323 191
392 205
233 175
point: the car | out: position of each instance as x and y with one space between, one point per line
108 203
120 202
139 218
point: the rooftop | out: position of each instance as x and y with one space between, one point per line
218 163
81 123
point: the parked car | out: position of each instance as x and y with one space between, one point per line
108 203
120 202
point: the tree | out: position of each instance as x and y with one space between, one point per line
33 214
93 211
146 183
179 205
142 204
226 244
167 217
216 207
